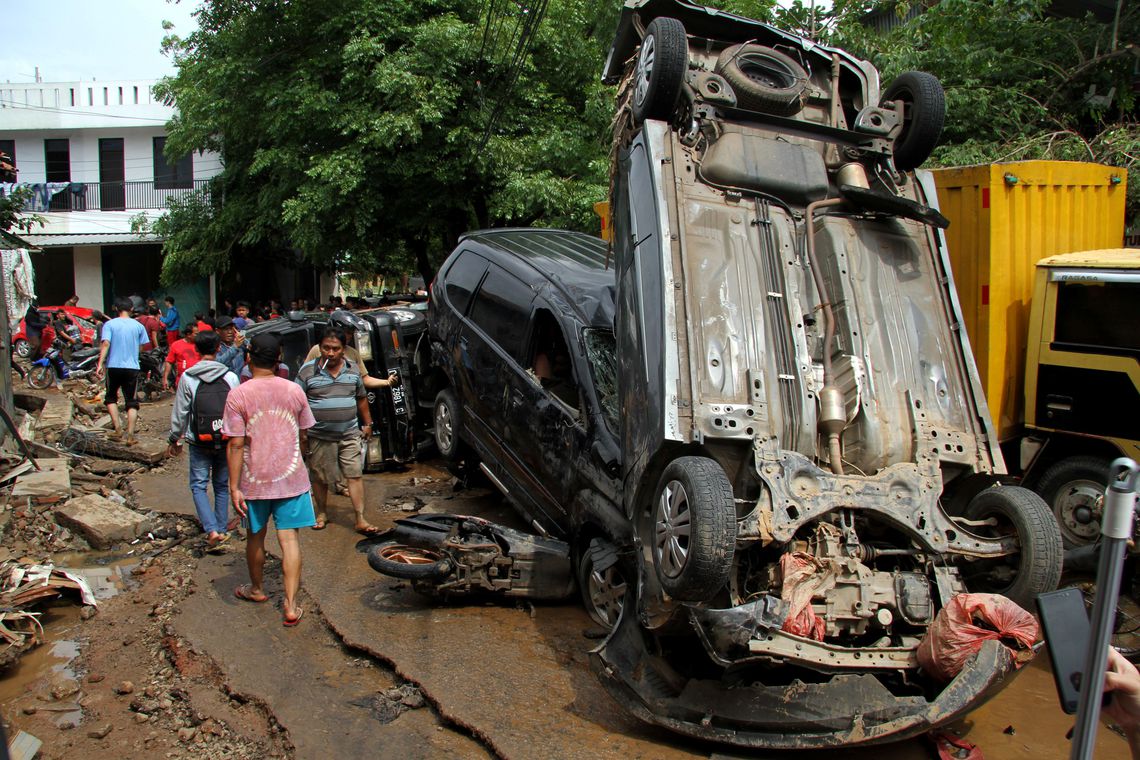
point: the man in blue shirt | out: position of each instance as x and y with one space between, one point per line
121 340
231 352
171 321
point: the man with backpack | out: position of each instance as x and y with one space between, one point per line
199 406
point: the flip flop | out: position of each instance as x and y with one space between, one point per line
289 622
321 523
243 592
370 531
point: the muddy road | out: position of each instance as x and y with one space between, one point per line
174 665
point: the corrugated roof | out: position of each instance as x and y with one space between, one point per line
89 238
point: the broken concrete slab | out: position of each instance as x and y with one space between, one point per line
101 521
56 414
147 451
49 485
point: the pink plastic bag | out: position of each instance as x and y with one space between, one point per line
968 621
804 576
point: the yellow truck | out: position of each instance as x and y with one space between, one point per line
1051 305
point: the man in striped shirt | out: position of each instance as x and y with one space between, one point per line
336 395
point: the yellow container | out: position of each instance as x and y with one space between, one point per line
1003 219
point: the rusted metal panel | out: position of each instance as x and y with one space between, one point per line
1004 218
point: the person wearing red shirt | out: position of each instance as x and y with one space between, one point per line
182 356
153 327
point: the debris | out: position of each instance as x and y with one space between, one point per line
100 732
124 687
64 689
23 746
1009 731
187 734
101 521
50 485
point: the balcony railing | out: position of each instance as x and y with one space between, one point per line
110 196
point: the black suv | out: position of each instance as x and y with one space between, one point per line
521 325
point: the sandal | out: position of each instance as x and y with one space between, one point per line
289 622
370 531
244 592
321 523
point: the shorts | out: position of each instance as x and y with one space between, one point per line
328 460
125 379
288 513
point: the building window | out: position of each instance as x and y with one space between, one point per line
73 96
90 97
136 96
169 176
8 149
57 160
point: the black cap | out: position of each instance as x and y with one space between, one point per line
222 322
264 348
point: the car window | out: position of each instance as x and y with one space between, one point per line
502 310
601 354
550 363
462 277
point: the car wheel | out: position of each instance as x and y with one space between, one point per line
1073 489
1036 568
661 67
602 582
408 562
22 348
446 418
764 79
694 529
41 377
924 111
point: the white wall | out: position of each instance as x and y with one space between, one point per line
89 276
80 105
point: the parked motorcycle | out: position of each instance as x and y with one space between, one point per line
150 373
51 367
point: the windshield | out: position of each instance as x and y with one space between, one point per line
601 353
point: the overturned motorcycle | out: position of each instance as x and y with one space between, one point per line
458 556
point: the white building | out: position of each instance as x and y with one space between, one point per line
94 153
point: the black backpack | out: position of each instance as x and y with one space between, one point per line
207 411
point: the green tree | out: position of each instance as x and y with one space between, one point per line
369 134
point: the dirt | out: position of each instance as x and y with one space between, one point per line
175 665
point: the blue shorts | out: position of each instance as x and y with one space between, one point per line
293 512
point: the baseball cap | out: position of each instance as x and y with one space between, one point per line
222 322
264 348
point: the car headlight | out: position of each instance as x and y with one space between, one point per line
364 345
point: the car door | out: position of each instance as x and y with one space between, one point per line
544 420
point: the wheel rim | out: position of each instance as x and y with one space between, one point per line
39 377
23 349
409 555
606 589
673 528
444 432
644 69
1078 508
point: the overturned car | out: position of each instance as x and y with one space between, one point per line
807 461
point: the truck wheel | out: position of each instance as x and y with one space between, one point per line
1073 489
1036 568
602 582
764 79
661 67
446 416
41 377
924 112
694 529
408 562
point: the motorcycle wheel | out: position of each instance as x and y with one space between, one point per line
408 562
41 377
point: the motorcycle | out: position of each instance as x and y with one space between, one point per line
150 372
51 367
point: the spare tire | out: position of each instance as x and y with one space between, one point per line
764 79
661 67
924 113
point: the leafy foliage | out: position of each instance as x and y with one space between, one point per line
369 135
11 211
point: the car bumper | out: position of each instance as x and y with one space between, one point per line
850 709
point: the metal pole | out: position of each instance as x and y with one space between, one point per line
1116 529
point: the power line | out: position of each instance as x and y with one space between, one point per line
53 109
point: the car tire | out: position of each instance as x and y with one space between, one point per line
41 377
694 529
1071 488
923 117
660 69
603 590
764 79
446 425
408 562
1038 564
22 348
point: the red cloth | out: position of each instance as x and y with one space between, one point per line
967 622
171 337
47 337
182 356
804 576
